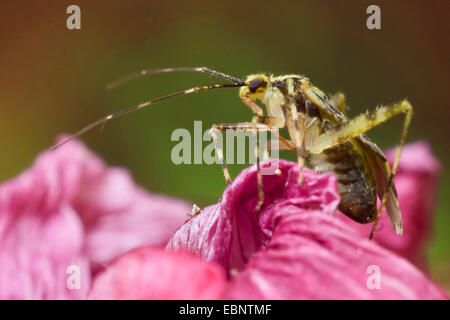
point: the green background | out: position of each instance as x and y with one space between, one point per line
52 80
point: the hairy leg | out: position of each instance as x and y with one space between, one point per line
245 126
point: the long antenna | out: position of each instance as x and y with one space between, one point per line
165 70
142 105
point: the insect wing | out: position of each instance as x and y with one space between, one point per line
381 171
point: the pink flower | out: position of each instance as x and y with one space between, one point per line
296 247
152 273
69 209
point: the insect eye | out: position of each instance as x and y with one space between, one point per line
255 84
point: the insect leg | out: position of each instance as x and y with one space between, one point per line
296 132
271 122
196 210
361 124
393 169
375 223
244 126
339 102
285 144
275 123
219 151
258 171
256 109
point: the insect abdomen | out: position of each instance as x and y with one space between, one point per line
355 185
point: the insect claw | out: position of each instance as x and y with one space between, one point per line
259 204
374 228
398 230
300 177
196 210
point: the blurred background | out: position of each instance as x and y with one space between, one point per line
53 80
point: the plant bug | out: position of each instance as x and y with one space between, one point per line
318 128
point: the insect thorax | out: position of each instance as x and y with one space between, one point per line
284 91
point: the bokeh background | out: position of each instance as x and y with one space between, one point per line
52 79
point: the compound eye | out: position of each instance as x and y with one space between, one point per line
255 84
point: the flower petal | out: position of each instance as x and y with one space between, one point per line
295 247
119 216
313 255
232 231
152 273
68 209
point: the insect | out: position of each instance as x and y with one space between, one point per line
318 128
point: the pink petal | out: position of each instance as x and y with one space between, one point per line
295 248
119 216
232 231
152 273
416 182
69 208
313 255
